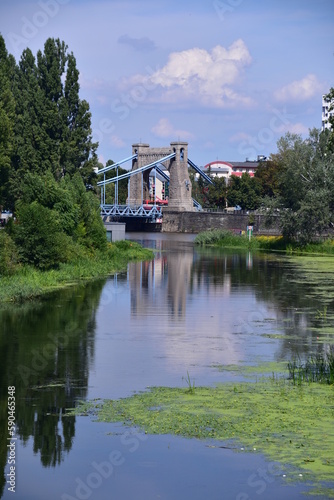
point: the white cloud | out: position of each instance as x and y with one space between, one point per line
165 129
299 90
197 75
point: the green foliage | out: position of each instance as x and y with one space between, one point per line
29 282
244 191
191 386
224 238
317 368
57 221
38 236
267 175
306 186
216 193
51 124
330 133
199 189
9 258
122 185
7 120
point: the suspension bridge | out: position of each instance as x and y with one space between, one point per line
145 161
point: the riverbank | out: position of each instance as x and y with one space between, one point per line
226 239
29 283
290 423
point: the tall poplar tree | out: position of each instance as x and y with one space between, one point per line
32 147
78 152
53 125
7 119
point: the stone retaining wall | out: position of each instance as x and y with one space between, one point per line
195 222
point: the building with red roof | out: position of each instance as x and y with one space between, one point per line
225 169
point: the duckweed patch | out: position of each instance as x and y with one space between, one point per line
290 424
259 369
318 272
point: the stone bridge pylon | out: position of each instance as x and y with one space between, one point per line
179 183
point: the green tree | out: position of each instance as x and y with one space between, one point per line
330 99
78 152
9 258
7 120
268 174
122 185
306 185
199 189
216 193
57 221
38 236
34 147
53 125
244 191
89 230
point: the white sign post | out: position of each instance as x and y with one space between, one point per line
249 231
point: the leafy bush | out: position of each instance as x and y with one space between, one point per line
224 238
57 221
38 236
9 258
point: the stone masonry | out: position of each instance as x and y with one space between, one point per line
195 222
179 185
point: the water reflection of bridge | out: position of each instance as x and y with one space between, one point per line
151 282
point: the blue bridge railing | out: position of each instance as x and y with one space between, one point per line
154 212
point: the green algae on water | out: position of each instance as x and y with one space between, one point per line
293 425
258 369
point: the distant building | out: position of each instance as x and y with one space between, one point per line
158 187
227 168
326 113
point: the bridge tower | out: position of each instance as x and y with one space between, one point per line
179 184
180 199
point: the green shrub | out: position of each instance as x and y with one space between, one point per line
9 257
38 236
224 238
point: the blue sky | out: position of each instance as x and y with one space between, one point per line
228 76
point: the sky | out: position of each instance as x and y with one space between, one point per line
230 77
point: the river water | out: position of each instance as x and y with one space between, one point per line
189 310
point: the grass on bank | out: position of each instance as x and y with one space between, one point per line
224 238
290 423
29 282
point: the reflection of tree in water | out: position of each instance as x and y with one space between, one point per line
46 350
275 281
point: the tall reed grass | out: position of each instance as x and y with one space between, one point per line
317 368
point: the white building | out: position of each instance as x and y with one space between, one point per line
326 113
226 169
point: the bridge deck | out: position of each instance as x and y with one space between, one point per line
153 212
